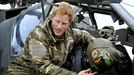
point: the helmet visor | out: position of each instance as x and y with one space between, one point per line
102 54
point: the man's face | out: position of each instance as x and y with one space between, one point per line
60 23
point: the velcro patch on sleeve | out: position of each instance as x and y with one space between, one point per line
38 50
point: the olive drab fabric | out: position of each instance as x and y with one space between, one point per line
44 55
102 54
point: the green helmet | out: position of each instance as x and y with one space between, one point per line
102 54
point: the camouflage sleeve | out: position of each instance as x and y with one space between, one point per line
52 69
83 35
40 56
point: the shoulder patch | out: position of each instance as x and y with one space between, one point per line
38 50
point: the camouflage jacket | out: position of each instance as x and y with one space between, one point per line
43 53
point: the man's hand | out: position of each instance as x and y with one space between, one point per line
87 72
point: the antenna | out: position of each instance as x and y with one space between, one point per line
43 12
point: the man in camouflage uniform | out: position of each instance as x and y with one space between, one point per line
47 47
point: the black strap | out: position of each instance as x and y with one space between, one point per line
133 67
1 68
18 36
0 56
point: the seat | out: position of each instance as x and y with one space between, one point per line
5 43
85 24
124 66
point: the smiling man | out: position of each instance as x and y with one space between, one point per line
48 45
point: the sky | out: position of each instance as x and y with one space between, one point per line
5 6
